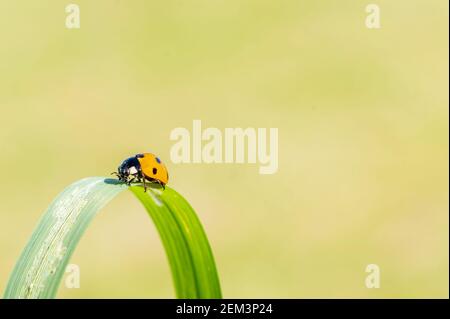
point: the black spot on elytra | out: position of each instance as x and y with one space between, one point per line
154 170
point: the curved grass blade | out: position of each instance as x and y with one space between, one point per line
41 266
190 256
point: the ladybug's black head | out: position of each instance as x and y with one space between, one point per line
129 168
123 171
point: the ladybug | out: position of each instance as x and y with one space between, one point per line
141 168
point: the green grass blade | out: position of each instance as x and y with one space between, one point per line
41 266
190 257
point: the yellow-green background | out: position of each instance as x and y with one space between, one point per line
363 138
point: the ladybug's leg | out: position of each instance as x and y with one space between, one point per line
145 185
131 180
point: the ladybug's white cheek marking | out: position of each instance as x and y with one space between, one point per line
132 170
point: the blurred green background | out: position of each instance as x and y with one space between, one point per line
363 138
